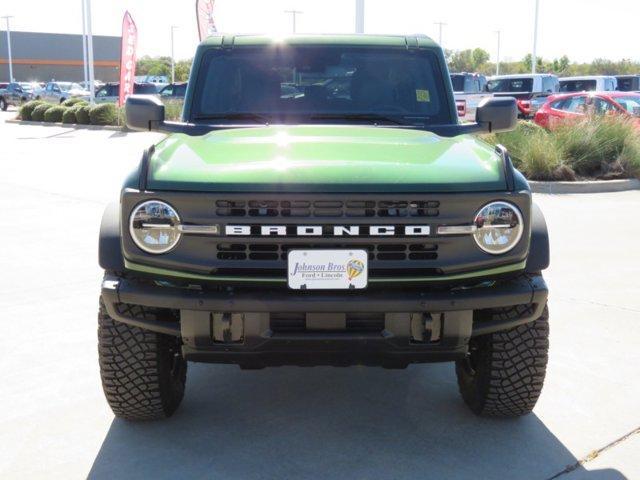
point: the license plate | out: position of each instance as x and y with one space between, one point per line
327 269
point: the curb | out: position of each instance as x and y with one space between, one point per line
75 126
589 186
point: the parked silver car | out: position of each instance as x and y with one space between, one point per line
60 91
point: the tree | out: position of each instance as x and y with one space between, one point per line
162 66
183 68
527 61
468 60
153 66
480 57
560 65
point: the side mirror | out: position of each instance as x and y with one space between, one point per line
144 112
497 114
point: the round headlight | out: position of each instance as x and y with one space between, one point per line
499 227
154 226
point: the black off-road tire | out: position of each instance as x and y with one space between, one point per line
3 105
504 372
143 373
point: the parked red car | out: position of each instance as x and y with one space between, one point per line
573 106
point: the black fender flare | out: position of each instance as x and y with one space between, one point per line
539 252
109 245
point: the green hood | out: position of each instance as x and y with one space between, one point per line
324 158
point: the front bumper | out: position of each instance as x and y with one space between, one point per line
228 325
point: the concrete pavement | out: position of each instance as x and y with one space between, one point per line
294 422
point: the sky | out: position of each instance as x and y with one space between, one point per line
581 29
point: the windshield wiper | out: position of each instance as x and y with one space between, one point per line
374 117
235 116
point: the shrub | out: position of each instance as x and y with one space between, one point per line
122 116
534 153
173 110
82 114
54 114
27 109
69 116
629 158
37 114
591 146
103 114
70 102
596 147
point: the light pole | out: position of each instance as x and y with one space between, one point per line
293 17
7 17
173 62
84 46
440 25
534 58
359 16
498 54
92 93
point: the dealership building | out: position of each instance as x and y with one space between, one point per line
45 56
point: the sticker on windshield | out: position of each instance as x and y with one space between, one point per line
423 96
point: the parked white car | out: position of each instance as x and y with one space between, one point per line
530 90
628 83
588 83
469 90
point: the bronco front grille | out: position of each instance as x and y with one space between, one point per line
279 251
257 230
327 208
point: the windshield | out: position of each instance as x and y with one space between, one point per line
630 104
577 85
506 85
457 81
312 82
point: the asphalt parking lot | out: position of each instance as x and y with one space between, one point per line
356 423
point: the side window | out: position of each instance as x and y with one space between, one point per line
114 90
548 84
181 90
468 85
576 105
102 92
167 91
48 89
602 106
559 104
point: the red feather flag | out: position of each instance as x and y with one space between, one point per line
204 15
127 57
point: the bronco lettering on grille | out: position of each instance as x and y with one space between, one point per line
331 231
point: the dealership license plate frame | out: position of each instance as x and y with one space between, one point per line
338 268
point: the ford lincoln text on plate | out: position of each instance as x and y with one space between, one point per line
355 222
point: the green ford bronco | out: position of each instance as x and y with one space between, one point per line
321 204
